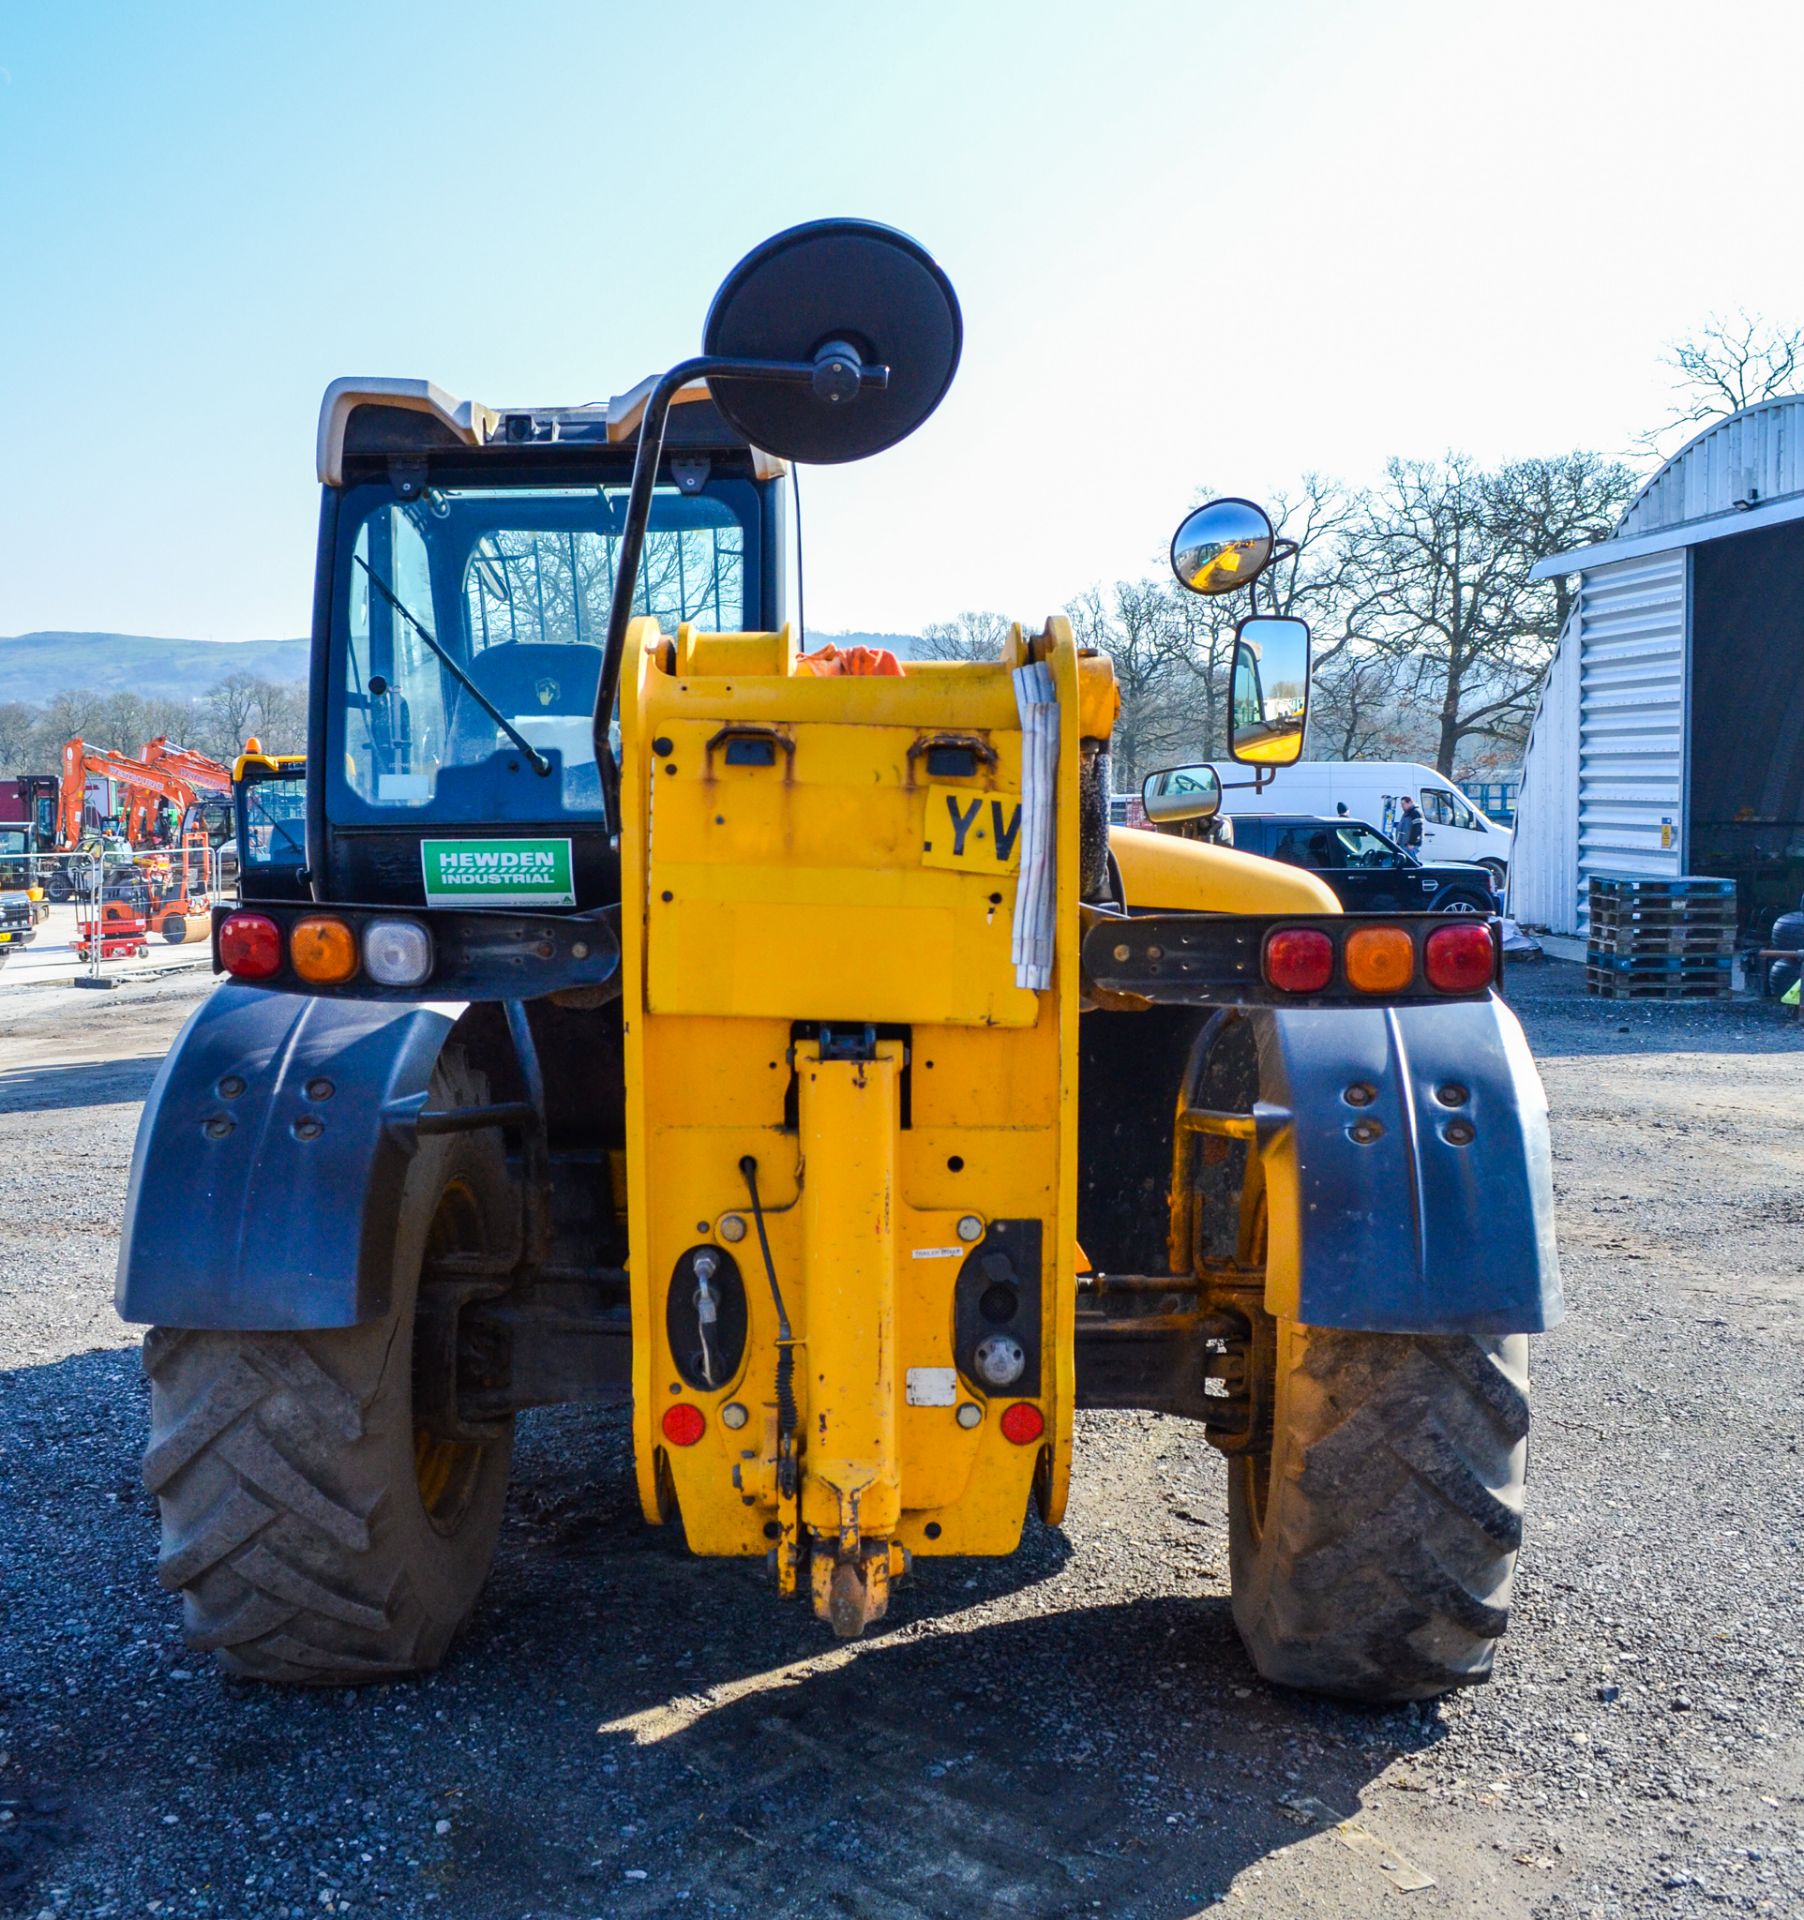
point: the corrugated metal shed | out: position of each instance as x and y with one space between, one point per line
1753 457
1544 860
1604 779
1631 749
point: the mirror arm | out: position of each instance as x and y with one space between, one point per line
834 374
1281 550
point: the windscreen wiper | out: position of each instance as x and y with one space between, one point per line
539 763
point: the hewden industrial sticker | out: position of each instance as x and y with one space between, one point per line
498 873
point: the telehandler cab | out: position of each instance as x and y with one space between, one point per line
799 1054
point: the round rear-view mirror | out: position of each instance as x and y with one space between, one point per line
854 285
1222 546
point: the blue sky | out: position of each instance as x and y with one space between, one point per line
1199 244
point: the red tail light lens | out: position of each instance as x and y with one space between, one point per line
1460 959
683 1424
1299 960
250 946
1023 1424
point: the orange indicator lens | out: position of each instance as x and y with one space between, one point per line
1380 959
322 950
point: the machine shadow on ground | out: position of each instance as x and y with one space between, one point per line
619 1708
97 1083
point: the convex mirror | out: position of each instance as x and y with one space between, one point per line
1181 793
843 294
1270 704
1222 547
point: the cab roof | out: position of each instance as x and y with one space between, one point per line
379 419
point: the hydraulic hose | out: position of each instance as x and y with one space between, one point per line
786 1398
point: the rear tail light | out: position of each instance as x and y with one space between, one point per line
1460 959
397 953
322 950
683 1424
1380 959
1299 960
1023 1423
250 946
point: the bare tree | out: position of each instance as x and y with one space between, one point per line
166 718
228 715
282 716
1203 635
1724 366
1136 627
972 636
121 722
1548 506
71 713
1357 687
18 724
1444 552
1358 712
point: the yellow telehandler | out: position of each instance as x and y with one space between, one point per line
663 1012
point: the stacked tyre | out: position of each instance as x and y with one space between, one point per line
1782 974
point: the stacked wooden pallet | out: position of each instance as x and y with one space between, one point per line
1661 939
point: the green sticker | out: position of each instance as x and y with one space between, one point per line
498 873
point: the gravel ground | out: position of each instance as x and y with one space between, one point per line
1070 1732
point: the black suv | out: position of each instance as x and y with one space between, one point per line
1370 873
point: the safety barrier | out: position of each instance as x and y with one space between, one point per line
88 916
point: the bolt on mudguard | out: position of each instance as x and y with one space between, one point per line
1408 1169
270 1157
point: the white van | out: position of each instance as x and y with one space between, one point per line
1370 790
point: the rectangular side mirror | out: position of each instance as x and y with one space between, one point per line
1181 793
1270 704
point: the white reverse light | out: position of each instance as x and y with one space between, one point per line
1001 1360
397 953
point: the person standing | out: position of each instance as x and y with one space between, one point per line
1409 826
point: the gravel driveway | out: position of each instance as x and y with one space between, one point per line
1070 1732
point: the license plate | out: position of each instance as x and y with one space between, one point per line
978 832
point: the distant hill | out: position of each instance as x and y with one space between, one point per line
34 666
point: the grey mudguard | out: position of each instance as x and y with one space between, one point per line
272 1205
1390 1217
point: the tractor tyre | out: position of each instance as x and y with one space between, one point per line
1373 1547
59 886
315 1536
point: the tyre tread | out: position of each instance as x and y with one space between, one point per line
265 1457
1387 1567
